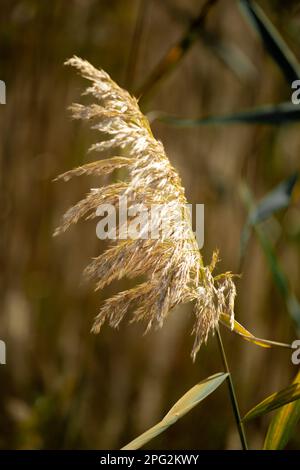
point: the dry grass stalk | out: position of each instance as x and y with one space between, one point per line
172 266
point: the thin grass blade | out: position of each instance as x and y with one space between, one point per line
272 40
277 199
274 401
283 424
279 276
272 115
244 333
188 401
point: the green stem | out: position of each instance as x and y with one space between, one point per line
234 402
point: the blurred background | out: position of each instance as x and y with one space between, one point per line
63 387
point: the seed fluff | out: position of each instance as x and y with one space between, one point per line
171 266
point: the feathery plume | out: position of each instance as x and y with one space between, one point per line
171 264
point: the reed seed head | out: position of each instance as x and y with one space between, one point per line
171 265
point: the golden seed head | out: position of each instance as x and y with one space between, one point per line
172 265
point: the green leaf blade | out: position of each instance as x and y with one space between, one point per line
283 424
188 401
271 115
279 198
272 40
279 276
245 334
274 401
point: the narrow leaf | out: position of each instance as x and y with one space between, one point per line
279 276
278 114
273 42
277 199
188 401
274 401
241 330
283 424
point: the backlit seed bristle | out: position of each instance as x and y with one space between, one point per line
173 266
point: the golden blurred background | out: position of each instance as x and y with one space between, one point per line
63 387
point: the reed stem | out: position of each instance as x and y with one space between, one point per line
233 398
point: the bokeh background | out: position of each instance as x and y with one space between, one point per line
63 387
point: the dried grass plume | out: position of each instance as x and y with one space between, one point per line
172 267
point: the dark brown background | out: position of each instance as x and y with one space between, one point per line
63 387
